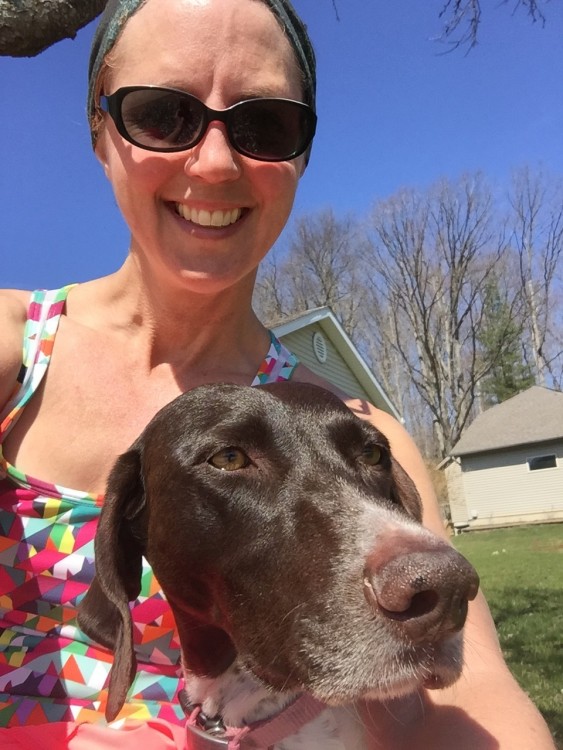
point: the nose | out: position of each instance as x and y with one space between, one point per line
213 159
425 593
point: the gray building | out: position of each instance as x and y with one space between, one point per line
507 468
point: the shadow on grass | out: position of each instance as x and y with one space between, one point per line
530 625
555 723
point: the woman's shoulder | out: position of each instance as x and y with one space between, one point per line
15 297
14 304
13 314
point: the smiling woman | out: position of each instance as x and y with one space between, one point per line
202 115
185 167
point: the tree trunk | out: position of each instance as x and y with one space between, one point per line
27 27
538 238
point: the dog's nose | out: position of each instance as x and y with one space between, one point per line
425 592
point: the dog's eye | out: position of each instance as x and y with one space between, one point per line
371 455
230 459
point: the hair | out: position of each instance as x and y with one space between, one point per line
117 13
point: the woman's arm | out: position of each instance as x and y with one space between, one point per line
486 709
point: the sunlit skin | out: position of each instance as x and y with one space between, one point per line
239 55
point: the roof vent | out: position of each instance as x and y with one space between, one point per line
320 347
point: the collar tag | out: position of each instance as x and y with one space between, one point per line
199 739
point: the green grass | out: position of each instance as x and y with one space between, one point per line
521 572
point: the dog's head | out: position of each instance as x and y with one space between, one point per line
285 536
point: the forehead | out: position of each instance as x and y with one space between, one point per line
208 45
274 416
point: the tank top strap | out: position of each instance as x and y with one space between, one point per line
43 317
279 364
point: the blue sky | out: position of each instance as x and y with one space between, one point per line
393 110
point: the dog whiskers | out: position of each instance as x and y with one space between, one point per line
299 605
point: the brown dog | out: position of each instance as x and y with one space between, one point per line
288 543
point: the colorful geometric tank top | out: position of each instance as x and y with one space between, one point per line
50 670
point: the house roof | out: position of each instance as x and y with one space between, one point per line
533 416
325 318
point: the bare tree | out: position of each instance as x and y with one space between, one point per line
319 268
380 329
537 203
431 257
432 294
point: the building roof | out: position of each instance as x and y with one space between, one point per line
533 416
328 322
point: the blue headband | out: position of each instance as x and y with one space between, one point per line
117 13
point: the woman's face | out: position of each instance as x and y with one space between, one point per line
222 51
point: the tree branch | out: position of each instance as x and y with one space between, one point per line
27 27
462 19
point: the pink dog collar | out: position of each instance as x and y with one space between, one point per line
211 734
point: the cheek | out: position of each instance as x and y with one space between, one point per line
277 185
131 170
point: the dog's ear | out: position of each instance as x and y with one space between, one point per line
104 613
404 492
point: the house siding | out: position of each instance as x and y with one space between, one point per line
500 489
335 369
456 494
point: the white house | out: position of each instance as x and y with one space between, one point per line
507 468
320 342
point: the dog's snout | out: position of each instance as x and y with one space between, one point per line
424 592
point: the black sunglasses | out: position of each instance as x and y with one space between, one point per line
163 119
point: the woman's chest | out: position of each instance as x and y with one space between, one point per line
80 419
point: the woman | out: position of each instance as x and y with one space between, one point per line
205 195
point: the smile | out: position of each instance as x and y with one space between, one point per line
204 218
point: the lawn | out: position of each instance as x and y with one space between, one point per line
521 572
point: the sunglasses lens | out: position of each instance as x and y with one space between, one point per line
271 129
161 119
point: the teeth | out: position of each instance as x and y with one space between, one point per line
204 218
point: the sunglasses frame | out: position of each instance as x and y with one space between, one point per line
112 104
